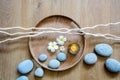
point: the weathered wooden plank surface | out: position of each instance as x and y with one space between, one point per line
28 13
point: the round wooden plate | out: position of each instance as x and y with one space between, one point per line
38 45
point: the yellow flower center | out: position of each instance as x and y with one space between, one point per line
74 47
61 40
52 46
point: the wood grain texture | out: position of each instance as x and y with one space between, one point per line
28 13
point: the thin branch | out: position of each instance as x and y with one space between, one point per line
57 30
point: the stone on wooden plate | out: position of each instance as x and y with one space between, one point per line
53 64
42 57
61 56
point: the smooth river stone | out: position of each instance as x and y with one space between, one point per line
22 78
25 66
61 56
90 58
112 65
42 57
103 49
54 64
39 72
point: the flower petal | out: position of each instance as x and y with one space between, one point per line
62 48
61 36
56 47
50 43
54 43
65 39
61 43
58 42
52 50
49 48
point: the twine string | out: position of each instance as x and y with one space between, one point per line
39 31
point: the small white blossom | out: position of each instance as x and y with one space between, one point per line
52 46
61 40
62 48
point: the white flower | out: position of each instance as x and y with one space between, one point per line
61 40
62 48
52 46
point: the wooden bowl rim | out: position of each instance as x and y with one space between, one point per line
83 37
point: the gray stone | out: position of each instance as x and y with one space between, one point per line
103 49
39 72
42 57
112 65
25 66
22 78
61 56
90 58
54 64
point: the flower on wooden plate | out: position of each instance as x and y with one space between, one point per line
61 40
62 48
52 46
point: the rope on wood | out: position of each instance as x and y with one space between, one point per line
40 31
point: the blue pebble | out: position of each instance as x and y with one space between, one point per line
112 65
103 49
39 72
54 64
25 66
22 78
61 56
42 57
90 58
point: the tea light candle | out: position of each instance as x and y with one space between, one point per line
73 48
